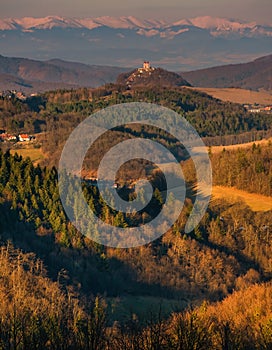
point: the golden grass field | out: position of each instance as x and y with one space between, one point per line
238 95
255 201
35 154
218 149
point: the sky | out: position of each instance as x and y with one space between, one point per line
169 10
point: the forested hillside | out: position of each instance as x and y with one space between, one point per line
37 313
249 169
255 75
57 113
32 75
207 289
230 250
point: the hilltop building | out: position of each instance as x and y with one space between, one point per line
148 75
146 67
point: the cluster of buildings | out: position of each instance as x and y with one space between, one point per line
13 93
18 94
6 137
258 108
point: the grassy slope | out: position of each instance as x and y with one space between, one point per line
238 95
218 149
255 201
28 150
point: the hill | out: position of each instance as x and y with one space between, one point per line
253 75
151 77
32 75
47 315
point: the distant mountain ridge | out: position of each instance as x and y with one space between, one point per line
125 41
36 76
253 75
32 75
49 22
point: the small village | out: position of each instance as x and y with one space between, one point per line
257 108
20 95
6 137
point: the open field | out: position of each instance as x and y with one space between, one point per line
28 150
238 95
255 201
218 149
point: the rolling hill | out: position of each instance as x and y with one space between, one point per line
151 77
253 75
32 75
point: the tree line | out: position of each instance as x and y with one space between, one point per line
249 169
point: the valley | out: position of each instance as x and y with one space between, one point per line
209 288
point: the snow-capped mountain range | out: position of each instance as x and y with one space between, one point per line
49 22
126 41
216 26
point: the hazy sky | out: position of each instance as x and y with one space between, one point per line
256 10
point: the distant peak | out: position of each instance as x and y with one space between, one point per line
208 22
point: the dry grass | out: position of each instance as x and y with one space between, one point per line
255 201
218 149
35 154
238 95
